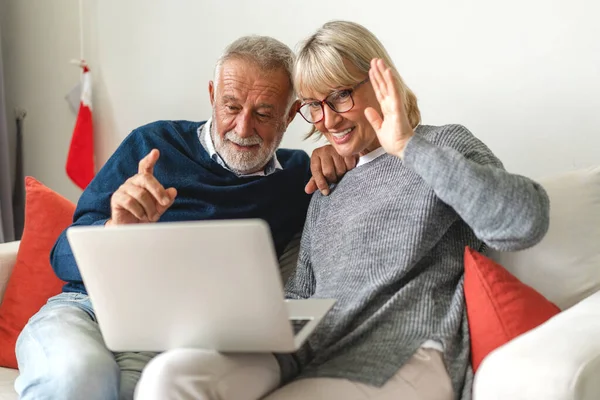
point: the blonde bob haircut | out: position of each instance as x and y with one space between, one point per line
321 63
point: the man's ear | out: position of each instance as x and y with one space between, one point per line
211 92
293 111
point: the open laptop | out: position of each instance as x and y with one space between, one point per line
208 284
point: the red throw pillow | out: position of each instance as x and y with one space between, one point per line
32 281
499 306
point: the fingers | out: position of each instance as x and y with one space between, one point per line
340 168
311 186
384 83
140 203
151 184
318 176
375 82
137 198
120 200
328 169
142 198
350 162
374 118
146 165
377 79
328 162
172 193
394 94
386 76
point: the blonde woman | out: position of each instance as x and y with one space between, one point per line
387 243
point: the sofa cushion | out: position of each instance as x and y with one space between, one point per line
7 381
8 256
32 281
558 360
565 265
499 306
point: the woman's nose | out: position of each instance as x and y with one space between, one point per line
330 118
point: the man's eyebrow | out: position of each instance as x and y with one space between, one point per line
229 97
265 105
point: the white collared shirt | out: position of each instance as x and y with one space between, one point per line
206 140
378 152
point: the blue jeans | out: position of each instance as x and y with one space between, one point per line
62 356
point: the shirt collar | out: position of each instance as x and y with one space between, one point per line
378 152
206 140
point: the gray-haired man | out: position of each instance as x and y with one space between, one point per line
227 167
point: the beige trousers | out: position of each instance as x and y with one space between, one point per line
197 374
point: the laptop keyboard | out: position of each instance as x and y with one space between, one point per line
298 324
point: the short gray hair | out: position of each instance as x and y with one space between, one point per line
267 53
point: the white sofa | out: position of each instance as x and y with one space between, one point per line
559 360
8 255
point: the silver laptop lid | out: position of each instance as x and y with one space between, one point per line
206 284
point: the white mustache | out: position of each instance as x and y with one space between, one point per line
250 141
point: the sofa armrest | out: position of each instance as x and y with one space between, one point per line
8 256
559 360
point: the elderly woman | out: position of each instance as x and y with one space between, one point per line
387 242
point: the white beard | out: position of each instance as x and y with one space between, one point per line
243 162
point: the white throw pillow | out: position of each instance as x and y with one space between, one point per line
565 265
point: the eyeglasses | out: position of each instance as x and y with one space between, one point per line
340 101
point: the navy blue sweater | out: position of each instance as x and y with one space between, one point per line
205 190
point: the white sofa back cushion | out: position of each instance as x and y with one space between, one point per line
8 256
565 265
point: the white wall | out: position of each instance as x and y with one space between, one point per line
524 76
39 37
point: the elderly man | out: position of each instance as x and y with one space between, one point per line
227 167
